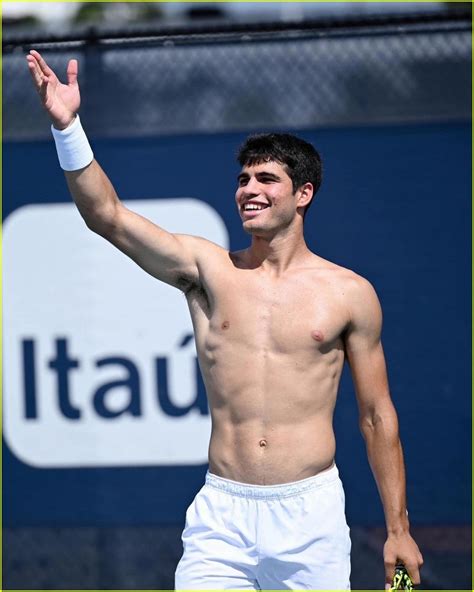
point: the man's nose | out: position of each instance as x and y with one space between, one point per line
252 187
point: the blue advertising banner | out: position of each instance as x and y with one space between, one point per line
105 415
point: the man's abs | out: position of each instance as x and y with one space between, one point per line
271 454
271 413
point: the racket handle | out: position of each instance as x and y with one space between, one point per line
401 579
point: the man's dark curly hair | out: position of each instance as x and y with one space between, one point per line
301 159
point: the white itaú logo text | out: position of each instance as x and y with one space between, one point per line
99 357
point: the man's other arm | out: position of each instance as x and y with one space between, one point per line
379 425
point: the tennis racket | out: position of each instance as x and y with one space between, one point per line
401 579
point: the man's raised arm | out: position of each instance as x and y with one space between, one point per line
379 426
168 257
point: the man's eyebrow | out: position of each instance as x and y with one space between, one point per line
268 174
259 174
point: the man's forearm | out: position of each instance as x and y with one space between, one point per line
90 188
94 196
384 451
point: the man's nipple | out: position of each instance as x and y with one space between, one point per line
317 335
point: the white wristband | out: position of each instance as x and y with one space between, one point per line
72 145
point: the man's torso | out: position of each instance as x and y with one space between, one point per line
271 352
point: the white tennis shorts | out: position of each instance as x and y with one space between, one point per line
266 537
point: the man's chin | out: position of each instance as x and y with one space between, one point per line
254 229
250 225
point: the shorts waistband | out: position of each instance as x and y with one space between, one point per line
272 491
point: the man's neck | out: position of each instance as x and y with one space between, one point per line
278 253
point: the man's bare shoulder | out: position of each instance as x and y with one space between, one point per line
338 272
358 291
203 247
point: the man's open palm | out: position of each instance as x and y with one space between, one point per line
62 101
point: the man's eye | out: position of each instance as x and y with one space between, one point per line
242 182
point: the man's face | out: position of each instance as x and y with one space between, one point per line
265 198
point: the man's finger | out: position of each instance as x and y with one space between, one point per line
35 71
43 65
413 572
72 69
389 573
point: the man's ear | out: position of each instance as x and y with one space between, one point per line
305 194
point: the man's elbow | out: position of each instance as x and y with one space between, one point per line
100 226
102 221
368 421
379 421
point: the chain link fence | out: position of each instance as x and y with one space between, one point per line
218 82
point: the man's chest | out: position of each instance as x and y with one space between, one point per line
279 315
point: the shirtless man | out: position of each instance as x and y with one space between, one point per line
273 325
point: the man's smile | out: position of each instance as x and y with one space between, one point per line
253 208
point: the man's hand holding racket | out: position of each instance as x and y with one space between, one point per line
401 549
